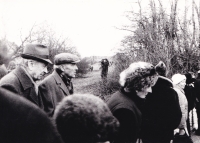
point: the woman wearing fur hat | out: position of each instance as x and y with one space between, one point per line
127 103
179 82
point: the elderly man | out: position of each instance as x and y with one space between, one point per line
58 85
22 79
21 121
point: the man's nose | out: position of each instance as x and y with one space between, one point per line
76 67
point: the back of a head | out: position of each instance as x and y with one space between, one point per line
189 77
85 119
23 122
177 78
161 69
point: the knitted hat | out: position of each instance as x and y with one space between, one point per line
177 78
161 68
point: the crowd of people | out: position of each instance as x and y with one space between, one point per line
148 108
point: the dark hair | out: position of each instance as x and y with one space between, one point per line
161 68
189 78
85 119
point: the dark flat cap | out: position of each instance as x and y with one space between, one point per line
65 58
36 52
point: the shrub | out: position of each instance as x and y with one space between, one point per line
83 67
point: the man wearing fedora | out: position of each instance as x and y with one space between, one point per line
21 121
58 84
34 67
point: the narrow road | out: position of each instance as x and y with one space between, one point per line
87 84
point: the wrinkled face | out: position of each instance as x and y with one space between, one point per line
144 92
38 69
182 84
70 69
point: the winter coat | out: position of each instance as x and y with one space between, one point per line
23 122
52 90
162 113
126 108
184 106
20 83
190 95
197 88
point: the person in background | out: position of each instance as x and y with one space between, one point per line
191 98
104 68
3 59
85 118
197 91
127 104
58 84
162 113
179 82
3 71
11 66
22 80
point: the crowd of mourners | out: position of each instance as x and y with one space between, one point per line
148 108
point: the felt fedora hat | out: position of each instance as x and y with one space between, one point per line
36 52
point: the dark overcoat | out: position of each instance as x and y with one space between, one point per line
162 113
52 90
126 108
20 83
23 122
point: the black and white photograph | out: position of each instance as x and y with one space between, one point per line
99 71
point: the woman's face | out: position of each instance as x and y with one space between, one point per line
182 84
144 92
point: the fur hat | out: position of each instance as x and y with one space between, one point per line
161 68
138 75
177 78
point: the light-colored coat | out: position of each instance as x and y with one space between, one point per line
52 90
184 107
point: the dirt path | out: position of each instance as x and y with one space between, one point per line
88 84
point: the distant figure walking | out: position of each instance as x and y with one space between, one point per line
104 68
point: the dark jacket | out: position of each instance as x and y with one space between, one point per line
20 83
126 108
190 91
197 88
162 113
52 90
23 122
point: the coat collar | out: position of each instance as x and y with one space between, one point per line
60 82
163 81
24 79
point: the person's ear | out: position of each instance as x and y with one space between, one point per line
62 67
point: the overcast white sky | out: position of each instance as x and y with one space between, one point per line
90 24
